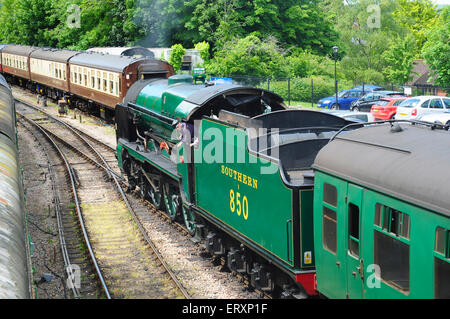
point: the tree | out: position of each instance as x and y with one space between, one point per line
398 60
292 22
203 49
437 49
27 22
176 56
418 16
364 28
249 56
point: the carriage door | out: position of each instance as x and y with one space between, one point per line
355 264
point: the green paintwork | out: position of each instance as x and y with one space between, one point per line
306 228
119 155
180 78
266 220
168 100
340 281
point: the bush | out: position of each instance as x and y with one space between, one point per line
301 88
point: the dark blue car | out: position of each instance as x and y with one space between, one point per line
345 99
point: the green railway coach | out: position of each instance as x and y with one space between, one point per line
382 213
235 164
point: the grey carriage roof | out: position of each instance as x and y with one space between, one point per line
127 51
103 61
411 165
51 54
24 50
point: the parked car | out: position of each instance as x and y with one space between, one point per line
418 106
364 104
438 117
349 115
368 88
386 107
345 99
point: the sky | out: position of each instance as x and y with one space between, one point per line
442 2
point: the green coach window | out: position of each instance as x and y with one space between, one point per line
330 194
442 264
391 246
353 229
329 229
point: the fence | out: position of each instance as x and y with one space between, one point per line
308 91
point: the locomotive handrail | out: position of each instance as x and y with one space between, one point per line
166 119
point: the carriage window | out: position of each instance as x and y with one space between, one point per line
353 229
392 220
392 256
98 80
330 194
329 229
442 242
441 278
442 264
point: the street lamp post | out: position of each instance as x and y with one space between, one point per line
335 51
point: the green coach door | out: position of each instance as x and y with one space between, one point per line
352 243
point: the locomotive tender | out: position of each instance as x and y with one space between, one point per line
90 81
239 184
14 257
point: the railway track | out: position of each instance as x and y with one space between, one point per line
120 249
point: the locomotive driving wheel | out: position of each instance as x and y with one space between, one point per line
150 188
156 195
171 201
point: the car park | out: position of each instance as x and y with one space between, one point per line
345 99
415 108
364 104
386 108
368 88
353 116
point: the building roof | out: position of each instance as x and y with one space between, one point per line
420 74
411 164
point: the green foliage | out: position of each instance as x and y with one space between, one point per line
176 56
418 16
301 88
437 49
203 49
399 60
249 56
292 22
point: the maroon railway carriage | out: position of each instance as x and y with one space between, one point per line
49 71
104 79
16 64
1 48
93 82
